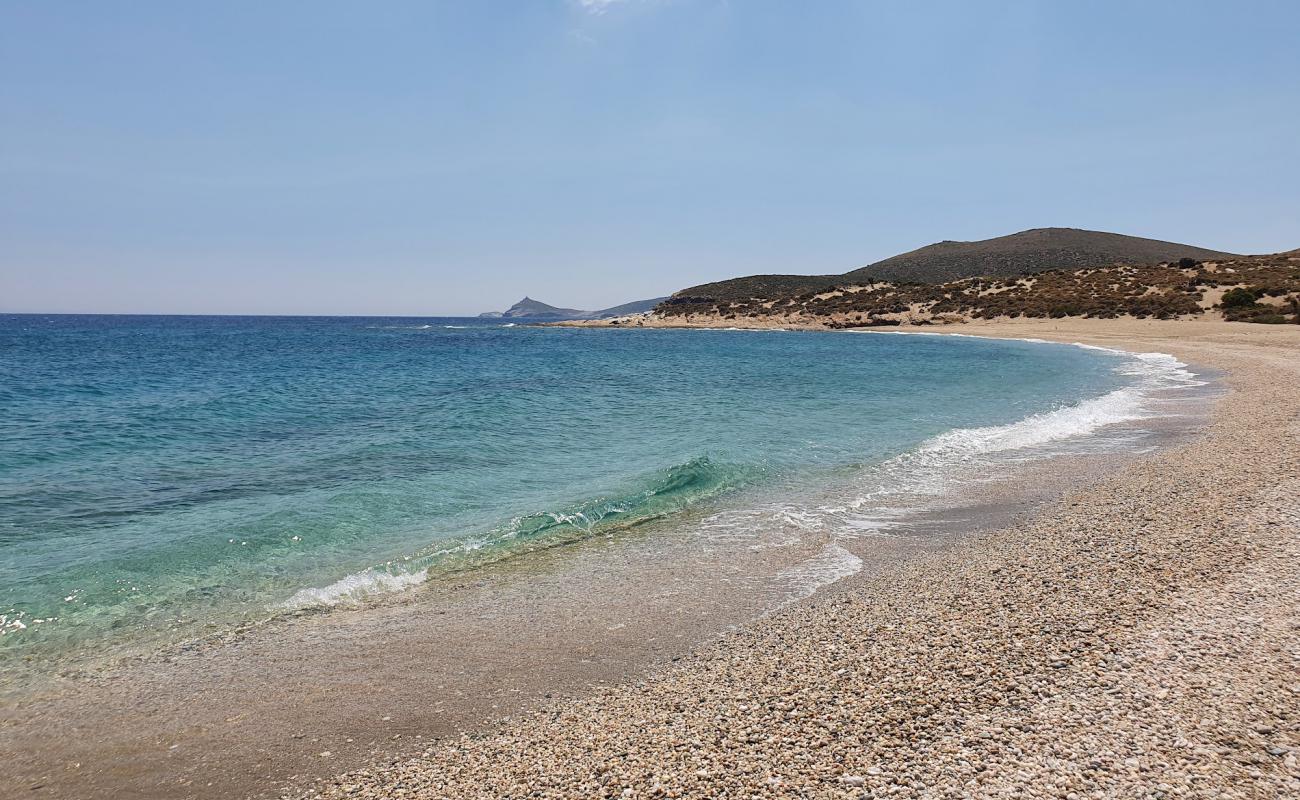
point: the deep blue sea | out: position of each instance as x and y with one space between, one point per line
162 478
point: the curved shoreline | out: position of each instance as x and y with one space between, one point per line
1097 649
339 592
375 584
586 686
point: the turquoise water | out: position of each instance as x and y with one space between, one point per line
165 477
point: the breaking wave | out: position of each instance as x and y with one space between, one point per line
355 588
880 497
661 494
870 504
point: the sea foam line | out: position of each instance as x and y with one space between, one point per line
833 563
925 470
939 455
931 468
354 589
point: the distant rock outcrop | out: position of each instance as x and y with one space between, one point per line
635 307
529 308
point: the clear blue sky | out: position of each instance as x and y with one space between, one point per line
448 157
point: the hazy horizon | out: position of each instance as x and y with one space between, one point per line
423 159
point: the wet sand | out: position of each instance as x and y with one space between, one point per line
250 713
484 653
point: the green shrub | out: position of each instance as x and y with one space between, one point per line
1239 298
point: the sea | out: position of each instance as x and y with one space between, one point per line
167 478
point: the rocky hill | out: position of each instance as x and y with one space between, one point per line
529 308
635 307
1026 252
1005 256
1236 288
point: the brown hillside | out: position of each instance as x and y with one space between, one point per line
1006 256
1238 288
1025 252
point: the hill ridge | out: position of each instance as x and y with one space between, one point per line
1021 253
1031 250
528 308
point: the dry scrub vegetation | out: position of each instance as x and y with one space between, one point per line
1263 289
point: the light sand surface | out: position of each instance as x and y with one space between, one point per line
1138 638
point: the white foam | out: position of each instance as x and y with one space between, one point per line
878 525
1094 347
832 563
916 333
931 469
1122 405
914 479
355 589
1175 369
1155 372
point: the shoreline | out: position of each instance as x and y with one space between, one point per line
624 669
1132 638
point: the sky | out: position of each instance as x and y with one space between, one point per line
443 158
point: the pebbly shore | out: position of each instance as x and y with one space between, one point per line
1138 638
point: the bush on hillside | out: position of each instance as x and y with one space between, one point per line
1240 297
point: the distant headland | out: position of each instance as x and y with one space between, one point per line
528 308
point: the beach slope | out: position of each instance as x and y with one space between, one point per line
1136 638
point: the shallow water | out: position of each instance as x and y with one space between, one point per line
165 477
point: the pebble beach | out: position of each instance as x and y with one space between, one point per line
1140 637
